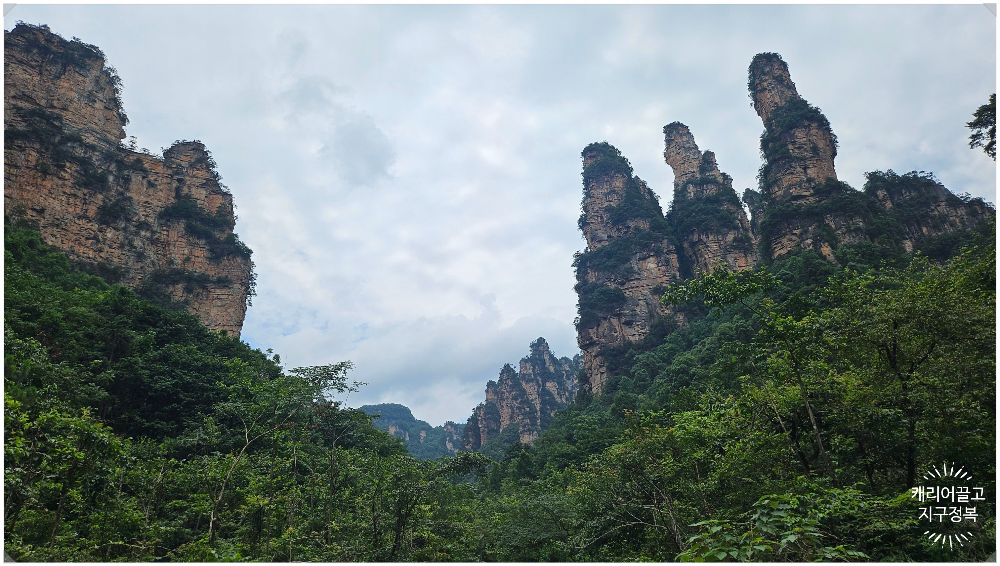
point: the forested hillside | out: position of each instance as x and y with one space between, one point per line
420 438
786 421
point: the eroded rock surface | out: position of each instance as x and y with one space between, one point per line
706 214
629 260
524 399
163 226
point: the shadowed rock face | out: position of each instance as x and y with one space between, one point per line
629 259
798 144
163 226
524 399
923 207
705 214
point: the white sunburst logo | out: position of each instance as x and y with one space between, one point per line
950 520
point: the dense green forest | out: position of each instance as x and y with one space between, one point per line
422 440
786 420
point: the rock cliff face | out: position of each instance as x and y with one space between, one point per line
923 208
629 260
801 204
633 251
799 148
163 226
705 214
519 404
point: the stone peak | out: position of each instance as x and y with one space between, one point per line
770 84
539 346
690 164
681 153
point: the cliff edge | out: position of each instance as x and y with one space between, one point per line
162 226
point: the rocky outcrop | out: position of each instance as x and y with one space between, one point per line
923 208
163 226
801 204
705 214
799 148
520 404
798 143
633 251
629 260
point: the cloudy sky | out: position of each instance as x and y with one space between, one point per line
409 177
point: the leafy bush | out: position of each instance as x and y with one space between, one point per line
596 300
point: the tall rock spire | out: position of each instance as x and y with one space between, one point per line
798 144
629 260
798 174
706 215
520 404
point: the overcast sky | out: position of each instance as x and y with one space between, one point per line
409 177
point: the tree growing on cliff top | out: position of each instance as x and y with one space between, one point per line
985 126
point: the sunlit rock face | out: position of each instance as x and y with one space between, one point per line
525 398
706 214
162 226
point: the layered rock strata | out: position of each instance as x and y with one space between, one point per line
524 399
629 261
706 214
163 226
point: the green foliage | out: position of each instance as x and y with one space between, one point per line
841 203
784 421
205 226
915 195
943 246
609 161
596 300
113 211
638 206
721 287
984 128
615 257
713 212
423 441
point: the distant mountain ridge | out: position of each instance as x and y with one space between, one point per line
421 439
519 406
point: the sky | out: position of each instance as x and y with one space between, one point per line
409 177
